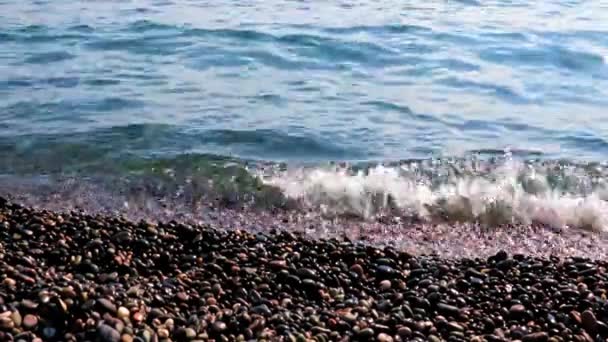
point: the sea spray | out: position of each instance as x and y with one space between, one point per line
511 192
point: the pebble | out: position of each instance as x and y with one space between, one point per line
358 269
50 332
219 326
190 333
517 310
262 310
385 285
385 271
30 322
404 332
16 317
107 305
9 282
448 310
589 322
6 323
536 337
123 312
108 334
366 333
135 282
382 337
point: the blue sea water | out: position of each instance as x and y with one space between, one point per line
302 80
109 87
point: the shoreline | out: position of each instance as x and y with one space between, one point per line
74 277
447 239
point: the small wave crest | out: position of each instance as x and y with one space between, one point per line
548 194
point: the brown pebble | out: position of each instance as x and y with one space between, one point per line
16 317
9 282
588 321
357 269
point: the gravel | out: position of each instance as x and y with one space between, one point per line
75 277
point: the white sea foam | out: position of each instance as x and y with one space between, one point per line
510 193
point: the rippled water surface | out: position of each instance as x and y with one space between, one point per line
303 81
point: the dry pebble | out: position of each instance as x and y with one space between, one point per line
100 278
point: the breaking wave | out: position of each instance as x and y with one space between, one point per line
508 192
488 191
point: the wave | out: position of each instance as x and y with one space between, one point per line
495 191
510 193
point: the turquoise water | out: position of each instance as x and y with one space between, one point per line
165 87
302 81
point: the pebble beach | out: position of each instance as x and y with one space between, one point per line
303 171
75 277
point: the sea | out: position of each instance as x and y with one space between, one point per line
489 112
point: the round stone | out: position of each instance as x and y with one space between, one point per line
358 269
123 312
30 322
385 285
163 333
404 332
219 326
9 282
50 332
